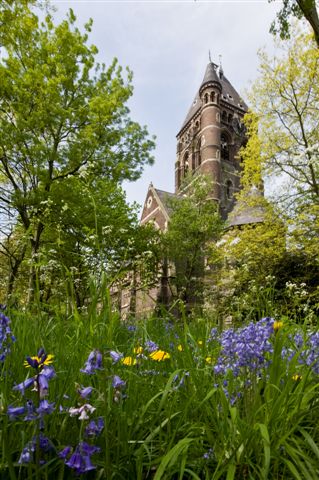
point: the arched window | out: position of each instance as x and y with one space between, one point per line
198 159
224 145
224 116
186 163
229 190
230 118
206 98
212 96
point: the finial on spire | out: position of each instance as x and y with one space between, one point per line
209 56
220 62
221 71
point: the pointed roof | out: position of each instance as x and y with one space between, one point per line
248 211
228 92
211 75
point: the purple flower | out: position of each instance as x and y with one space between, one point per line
94 429
85 392
65 452
116 357
31 415
21 387
118 382
26 456
6 337
45 407
80 460
14 412
151 346
93 363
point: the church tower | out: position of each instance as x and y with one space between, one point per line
211 136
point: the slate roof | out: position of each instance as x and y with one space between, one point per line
229 94
165 199
246 213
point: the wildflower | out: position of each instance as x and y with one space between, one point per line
159 355
118 382
6 336
21 387
42 380
116 357
296 377
94 429
82 412
277 325
200 343
85 392
80 460
45 408
31 414
209 454
65 452
129 361
14 412
27 454
180 348
39 360
138 350
94 362
209 360
151 346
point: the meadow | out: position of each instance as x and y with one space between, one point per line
86 395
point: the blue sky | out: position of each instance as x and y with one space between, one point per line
166 44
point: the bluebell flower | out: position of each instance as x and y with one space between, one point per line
65 452
85 392
131 328
80 460
116 357
93 363
94 428
15 412
27 454
45 408
6 336
117 382
21 387
31 412
151 346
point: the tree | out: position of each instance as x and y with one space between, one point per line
194 226
299 9
61 114
285 99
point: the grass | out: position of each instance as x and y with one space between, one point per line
176 418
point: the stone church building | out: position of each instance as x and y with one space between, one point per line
208 142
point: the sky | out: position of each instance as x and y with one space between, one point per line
166 44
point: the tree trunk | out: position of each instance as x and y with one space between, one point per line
309 10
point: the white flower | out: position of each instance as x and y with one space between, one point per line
82 412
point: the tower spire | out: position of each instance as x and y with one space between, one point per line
209 57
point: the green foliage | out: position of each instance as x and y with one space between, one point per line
299 9
178 418
67 140
194 225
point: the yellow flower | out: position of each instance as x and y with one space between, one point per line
39 362
128 361
296 377
138 350
209 360
180 348
159 355
200 342
277 325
